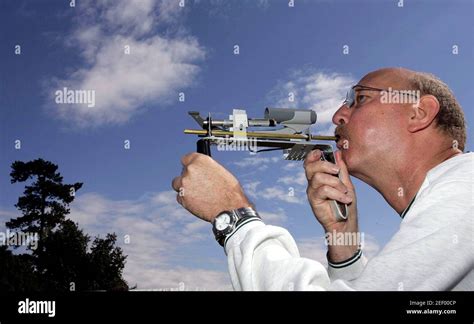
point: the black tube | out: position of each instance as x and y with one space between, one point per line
203 147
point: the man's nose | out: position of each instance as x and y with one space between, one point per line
342 115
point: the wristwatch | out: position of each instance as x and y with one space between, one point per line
227 222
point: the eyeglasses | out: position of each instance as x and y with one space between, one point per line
351 94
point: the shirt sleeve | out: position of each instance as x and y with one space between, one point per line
349 269
264 257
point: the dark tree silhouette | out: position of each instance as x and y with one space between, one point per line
45 202
66 258
106 264
61 261
17 272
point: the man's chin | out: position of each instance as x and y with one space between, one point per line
346 155
354 160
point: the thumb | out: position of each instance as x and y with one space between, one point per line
343 172
314 155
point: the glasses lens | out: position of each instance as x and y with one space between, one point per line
350 98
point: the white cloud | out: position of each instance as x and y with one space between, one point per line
164 197
185 279
250 188
294 180
158 67
292 165
288 195
274 218
196 227
299 178
261 163
320 91
7 214
161 234
278 193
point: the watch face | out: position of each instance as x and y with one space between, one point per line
222 222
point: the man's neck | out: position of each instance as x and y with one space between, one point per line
400 185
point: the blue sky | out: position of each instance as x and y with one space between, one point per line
190 50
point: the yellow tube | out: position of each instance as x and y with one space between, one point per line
262 135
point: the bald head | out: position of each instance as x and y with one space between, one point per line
450 118
394 77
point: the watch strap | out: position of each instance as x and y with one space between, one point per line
241 224
241 216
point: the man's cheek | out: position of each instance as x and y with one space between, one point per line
368 138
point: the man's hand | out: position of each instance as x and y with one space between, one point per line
323 186
205 188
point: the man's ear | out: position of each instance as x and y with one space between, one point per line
423 113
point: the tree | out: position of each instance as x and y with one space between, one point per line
65 258
106 264
45 202
61 261
17 272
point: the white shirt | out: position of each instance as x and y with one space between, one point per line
432 250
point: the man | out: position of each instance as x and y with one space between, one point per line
412 153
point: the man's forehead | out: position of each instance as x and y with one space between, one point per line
396 78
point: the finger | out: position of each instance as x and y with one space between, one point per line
176 183
314 155
330 193
344 173
324 179
320 166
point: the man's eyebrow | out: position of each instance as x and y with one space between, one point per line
364 86
362 89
